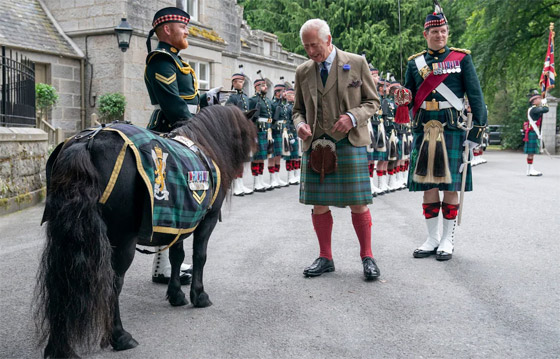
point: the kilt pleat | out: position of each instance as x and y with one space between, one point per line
277 135
454 145
532 146
349 185
262 144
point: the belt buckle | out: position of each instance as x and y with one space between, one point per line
269 120
432 105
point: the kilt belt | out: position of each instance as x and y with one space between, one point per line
435 105
192 108
263 123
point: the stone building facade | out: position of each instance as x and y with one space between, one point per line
219 41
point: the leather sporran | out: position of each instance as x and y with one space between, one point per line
322 158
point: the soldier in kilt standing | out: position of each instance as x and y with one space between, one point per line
173 90
373 127
263 121
331 81
241 100
438 78
293 160
279 121
532 128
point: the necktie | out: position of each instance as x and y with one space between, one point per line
324 72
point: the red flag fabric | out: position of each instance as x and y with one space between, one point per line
548 74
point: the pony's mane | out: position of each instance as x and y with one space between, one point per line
224 134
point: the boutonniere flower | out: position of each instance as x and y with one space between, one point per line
346 67
355 83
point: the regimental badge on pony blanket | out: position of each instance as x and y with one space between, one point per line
160 162
198 180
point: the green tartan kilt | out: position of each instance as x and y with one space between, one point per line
349 185
379 156
454 144
277 135
533 145
399 146
262 144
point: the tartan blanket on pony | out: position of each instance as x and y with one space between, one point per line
182 185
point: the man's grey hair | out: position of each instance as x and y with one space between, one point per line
316 24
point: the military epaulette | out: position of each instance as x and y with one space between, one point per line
460 50
416 55
155 52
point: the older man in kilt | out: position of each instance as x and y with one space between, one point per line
334 98
532 128
439 78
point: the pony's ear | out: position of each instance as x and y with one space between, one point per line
249 114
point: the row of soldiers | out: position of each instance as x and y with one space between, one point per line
388 154
276 135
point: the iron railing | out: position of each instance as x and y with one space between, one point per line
17 101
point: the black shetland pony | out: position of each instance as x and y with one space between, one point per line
90 246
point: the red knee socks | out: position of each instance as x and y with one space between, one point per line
431 210
323 224
449 211
362 226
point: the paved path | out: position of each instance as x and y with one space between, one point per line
498 297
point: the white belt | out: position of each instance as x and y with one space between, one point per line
263 120
192 108
435 105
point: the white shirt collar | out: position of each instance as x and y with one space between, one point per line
330 59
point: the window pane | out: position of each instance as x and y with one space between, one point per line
203 72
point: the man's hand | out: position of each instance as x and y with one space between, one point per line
344 124
213 95
304 131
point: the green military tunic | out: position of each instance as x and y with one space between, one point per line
532 143
172 86
461 83
240 100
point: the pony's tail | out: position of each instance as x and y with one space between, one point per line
75 279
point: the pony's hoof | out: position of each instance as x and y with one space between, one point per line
178 299
201 301
124 342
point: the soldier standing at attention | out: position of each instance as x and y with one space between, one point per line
532 129
280 119
439 78
265 111
241 100
173 90
293 160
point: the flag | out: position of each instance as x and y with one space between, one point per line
548 74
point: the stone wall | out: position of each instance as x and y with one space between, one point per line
549 125
22 167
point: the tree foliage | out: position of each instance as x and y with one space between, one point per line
508 39
46 98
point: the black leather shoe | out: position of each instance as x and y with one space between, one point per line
319 266
421 253
371 271
443 256
185 278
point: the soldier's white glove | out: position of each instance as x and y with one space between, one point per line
543 102
213 95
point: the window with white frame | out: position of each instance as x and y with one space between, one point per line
202 71
190 6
